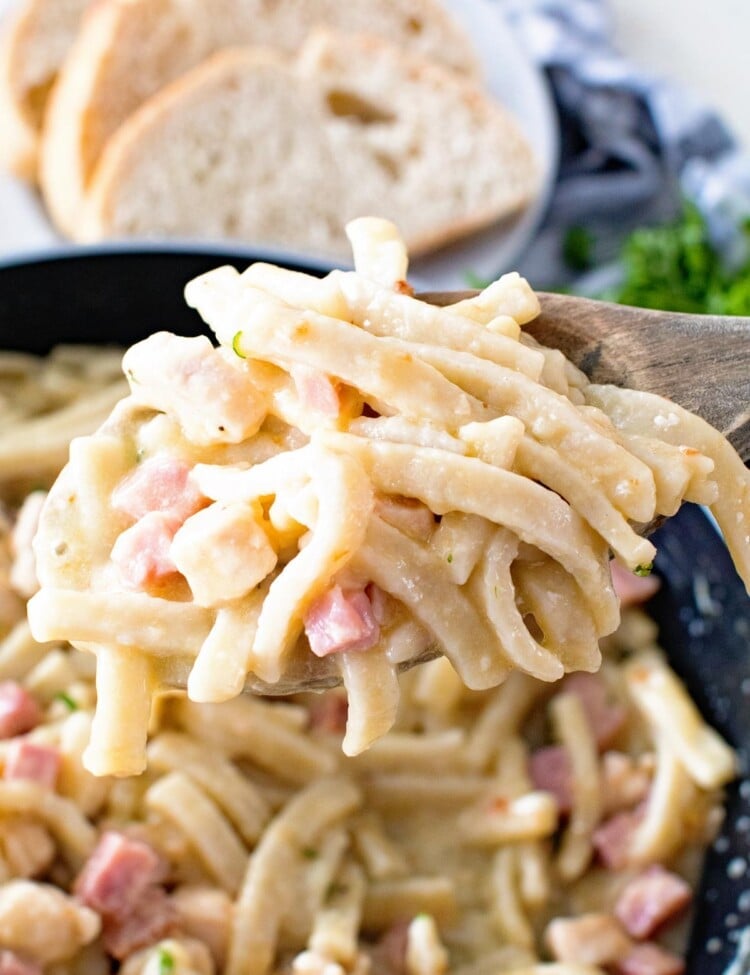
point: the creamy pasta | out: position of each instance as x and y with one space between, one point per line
534 828
352 481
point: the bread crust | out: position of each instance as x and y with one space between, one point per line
29 60
133 144
18 146
127 50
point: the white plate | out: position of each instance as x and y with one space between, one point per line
510 76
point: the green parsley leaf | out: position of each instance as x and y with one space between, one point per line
578 249
166 962
676 267
67 700
643 570
449 558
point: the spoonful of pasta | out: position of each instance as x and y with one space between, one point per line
358 479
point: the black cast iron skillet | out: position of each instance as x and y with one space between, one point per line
703 612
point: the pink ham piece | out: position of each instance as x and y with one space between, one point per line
650 959
650 900
37 763
606 718
117 875
613 839
589 939
339 622
389 954
13 964
630 588
551 771
19 712
316 391
149 920
407 514
141 552
160 484
328 713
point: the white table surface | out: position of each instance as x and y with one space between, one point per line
701 43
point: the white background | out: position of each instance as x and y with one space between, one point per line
703 43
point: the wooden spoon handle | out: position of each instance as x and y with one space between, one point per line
702 362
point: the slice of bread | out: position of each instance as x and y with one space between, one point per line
284 152
129 49
33 46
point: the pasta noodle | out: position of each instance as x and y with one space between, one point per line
353 481
501 793
433 851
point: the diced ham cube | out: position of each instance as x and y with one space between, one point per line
390 951
142 552
159 484
328 713
650 900
117 875
152 917
650 959
13 964
28 760
211 395
19 712
613 839
316 391
551 771
407 514
606 718
590 939
340 622
223 552
632 589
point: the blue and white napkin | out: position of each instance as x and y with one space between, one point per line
633 143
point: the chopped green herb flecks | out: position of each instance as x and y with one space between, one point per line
676 267
643 570
67 700
309 853
578 249
449 558
237 347
166 962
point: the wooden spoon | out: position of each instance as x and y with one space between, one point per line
701 362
